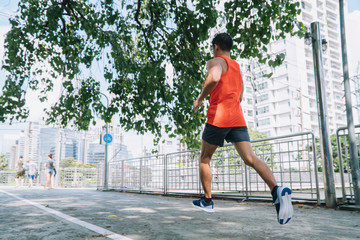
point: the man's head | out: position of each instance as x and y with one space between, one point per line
222 42
21 157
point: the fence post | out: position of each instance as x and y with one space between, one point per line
140 180
341 165
165 179
122 175
199 175
316 168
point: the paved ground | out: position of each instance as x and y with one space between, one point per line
56 214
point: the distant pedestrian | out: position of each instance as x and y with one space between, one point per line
20 173
31 172
50 172
225 121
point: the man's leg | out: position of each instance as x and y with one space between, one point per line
207 150
281 195
205 203
246 153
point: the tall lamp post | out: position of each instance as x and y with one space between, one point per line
318 45
106 148
355 171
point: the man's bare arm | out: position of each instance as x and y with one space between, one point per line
213 77
242 92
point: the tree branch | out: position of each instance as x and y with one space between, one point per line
142 29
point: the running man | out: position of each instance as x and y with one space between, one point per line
225 121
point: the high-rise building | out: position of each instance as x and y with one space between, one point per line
14 155
96 153
48 139
69 144
286 102
28 142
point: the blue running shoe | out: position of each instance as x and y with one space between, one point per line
201 204
283 205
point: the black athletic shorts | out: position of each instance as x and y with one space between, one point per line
216 135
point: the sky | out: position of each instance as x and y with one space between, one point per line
132 140
353 5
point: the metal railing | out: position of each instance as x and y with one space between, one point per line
7 177
345 161
78 177
69 177
291 159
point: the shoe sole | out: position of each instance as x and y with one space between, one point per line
286 208
204 209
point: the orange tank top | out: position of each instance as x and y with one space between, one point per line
225 109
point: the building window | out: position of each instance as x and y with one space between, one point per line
249 101
249 90
263 98
250 113
263 110
264 122
263 85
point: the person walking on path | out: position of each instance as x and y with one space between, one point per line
225 121
20 173
50 172
31 172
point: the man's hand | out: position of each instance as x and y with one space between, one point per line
197 104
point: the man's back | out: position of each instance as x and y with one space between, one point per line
225 109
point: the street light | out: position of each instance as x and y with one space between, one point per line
324 44
106 148
309 40
318 46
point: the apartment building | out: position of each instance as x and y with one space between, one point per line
286 102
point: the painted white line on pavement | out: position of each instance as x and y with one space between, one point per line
87 225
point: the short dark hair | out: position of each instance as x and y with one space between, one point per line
224 41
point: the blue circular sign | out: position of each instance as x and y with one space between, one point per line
107 138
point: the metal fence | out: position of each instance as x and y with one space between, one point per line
291 158
7 177
345 161
67 177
